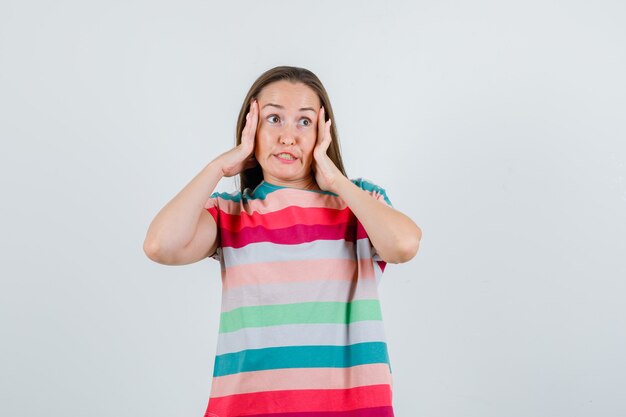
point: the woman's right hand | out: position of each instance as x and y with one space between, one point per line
241 157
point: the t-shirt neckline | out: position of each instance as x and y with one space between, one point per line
268 187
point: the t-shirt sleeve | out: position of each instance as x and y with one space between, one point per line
378 193
212 206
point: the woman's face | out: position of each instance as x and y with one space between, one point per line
287 133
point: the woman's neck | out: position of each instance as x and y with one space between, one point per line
302 183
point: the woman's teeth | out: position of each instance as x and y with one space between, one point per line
286 156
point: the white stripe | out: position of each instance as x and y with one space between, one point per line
272 252
320 249
301 335
364 249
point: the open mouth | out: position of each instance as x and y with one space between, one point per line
285 156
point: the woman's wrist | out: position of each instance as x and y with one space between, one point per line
215 168
342 185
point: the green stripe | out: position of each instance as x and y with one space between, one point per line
300 313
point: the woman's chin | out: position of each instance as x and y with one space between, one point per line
284 176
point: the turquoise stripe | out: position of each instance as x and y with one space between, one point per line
265 188
301 357
234 196
370 186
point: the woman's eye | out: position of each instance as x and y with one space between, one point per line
275 119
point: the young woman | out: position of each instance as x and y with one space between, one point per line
302 249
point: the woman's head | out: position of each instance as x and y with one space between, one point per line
291 129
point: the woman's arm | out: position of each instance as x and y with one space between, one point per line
174 232
395 236
182 232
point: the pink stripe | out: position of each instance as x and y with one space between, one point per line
242 296
301 378
296 271
277 200
288 236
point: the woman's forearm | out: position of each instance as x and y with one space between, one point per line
394 235
175 224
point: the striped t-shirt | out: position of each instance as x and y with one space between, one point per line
301 330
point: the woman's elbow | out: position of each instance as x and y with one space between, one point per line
155 252
408 251
406 248
151 249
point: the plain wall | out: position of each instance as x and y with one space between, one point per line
499 127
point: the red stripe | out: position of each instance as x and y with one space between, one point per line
215 213
290 401
289 235
361 412
285 218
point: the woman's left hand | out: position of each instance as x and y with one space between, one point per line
326 172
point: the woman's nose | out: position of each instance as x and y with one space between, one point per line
288 135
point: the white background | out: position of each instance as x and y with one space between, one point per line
499 127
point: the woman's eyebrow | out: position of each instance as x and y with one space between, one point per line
281 107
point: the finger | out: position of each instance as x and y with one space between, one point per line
249 131
254 118
246 127
327 136
254 111
245 134
320 126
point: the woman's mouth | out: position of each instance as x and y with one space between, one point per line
286 157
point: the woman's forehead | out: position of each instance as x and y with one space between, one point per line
288 94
